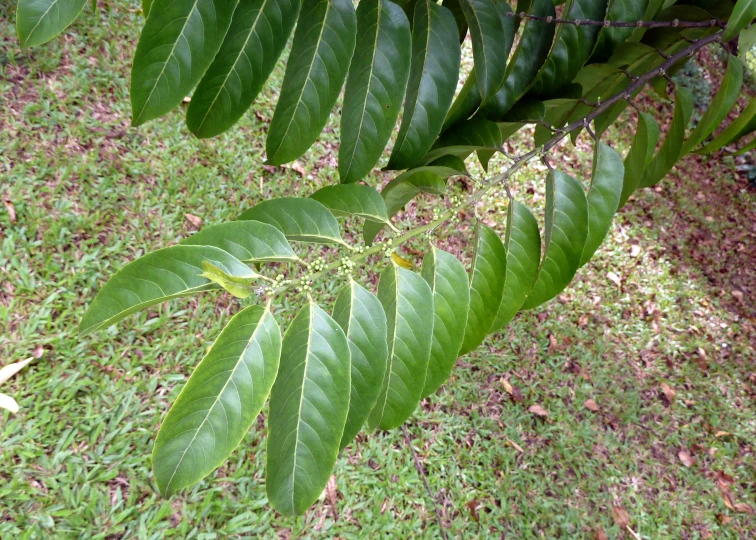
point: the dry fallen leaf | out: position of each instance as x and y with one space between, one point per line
331 493
621 517
11 209
507 386
38 352
473 506
515 445
722 434
517 394
600 534
668 391
614 278
299 168
553 345
738 295
635 250
686 458
724 519
591 405
194 220
401 261
538 411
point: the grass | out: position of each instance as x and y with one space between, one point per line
91 194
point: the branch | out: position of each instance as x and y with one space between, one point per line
675 23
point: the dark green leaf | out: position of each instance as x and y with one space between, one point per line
451 300
523 246
220 402
566 232
459 17
640 154
38 21
466 138
742 15
248 241
361 316
375 86
743 125
465 104
408 302
317 66
353 200
488 33
146 4
258 33
177 44
308 410
487 275
609 38
432 81
603 197
153 278
300 219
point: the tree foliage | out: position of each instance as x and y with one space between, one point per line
371 361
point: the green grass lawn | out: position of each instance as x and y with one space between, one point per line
655 306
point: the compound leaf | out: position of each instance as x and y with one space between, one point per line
220 402
308 410
488 33
248 241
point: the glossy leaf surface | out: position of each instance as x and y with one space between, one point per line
611 37
220 402
155 277
38 21
352 200
408 302
178 42
640 154
488 33
301 219
465 138
432 81
451 300
308 410
742 15
361 316
487 275
317 66
248 241
257 35
374 88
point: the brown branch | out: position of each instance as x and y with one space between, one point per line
675 23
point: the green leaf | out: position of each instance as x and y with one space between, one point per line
361 316
38 21
237 286
459 17
220 402
611 37
603 197
572 47
248 241
177 44
451 300
258 33
488 33
432 81
308 410
153 278
146 4
723 102
566 232
522 243
317 66
301 219
640 154
465 138
671 148
487 275
465 104
743 125
742 15
353 200
531 52
408 302
374 88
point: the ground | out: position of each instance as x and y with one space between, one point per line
627 404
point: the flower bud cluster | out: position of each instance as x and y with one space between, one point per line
346 266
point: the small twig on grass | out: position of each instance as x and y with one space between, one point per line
420 471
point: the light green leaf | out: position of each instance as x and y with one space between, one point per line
640 154
38 21
566 232
522 243
488 33
258 33
671 148
603 197
248 241
353 200
308 410
433 78
743 125
300 219
220 402
177 44
487 275
374 88
720 106
153 278
361 316
451 300
408 302
531 52
315 72
572 47
742 15
239 287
